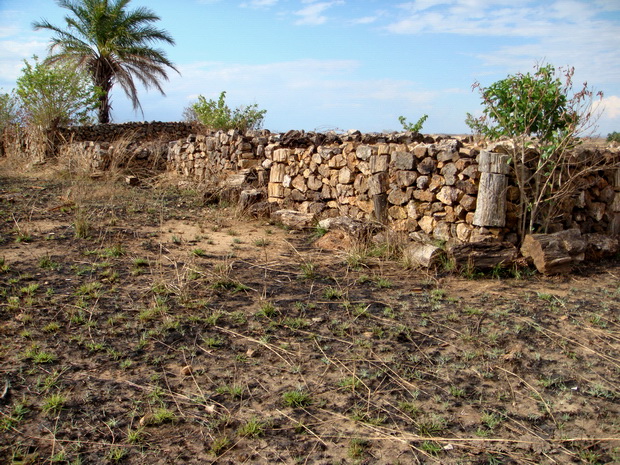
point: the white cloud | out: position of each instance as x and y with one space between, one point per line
564 32
364 20
312 15
610 107
12 56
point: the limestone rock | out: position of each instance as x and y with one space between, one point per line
294 219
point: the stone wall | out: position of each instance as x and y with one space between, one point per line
134 131
415 183
425 184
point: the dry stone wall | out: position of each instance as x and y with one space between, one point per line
422 184
155 130
427 185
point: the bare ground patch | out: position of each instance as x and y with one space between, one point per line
138 325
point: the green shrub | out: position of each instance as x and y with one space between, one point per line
218 115
613 137
540 110
417 127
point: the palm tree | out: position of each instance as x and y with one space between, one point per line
113 45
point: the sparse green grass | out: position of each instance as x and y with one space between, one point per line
267 310
235 391
296 398
308 270
220 445
53 404
47 263
199 252
332 293
253 428
39 356
262 242
117 454
162 415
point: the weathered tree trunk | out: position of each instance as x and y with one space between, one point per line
483 255
419 254
554 253
380 203
491 202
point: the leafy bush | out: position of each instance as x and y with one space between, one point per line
218 115
529 104
9 110
613 137
538 111
417 127
56 95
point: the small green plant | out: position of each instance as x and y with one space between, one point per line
92 290
267 310
262 242
116 454
38 356
51 327
213 341
331 293
53 404
431 425
417 127
81 224
162 415
135 436
350 382
296 398
295 323
431 447
4 267
235 391
410 408
30 289
140 262
115 251
220 445
308 270
253 428
357 448
199 252
491 420
47 263
456 391
14 417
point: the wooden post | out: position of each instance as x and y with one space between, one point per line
491 202
380 204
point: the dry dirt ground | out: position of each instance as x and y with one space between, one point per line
140 325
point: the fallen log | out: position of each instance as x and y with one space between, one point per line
420 254
483 255
555 253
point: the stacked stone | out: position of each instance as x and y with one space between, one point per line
427 186
214 156
138 131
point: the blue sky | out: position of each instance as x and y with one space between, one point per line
344 64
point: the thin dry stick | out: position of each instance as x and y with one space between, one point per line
268 346
583 346
303 426
533 389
